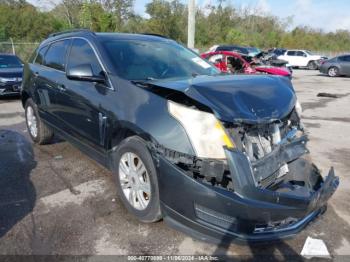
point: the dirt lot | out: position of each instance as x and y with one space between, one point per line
55 200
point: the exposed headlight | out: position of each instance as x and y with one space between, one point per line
205 132
298 108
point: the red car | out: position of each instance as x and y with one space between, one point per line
232 62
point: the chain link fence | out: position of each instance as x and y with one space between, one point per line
22 49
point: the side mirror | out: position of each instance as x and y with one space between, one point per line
84 73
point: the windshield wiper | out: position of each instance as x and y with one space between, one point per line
195 74
144 82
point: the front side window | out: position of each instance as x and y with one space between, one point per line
40 57
216 58
56 55
7 61
344 58
300 53
142 60
341 58
81 54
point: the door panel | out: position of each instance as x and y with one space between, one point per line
291 58
81 108
48 70
81 104
344 65
49 82
300 59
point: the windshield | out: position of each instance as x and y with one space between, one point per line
9 62
147 60
309 52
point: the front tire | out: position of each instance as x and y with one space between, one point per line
312 65
39 132
333 71
136 179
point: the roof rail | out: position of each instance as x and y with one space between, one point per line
71 31
151 34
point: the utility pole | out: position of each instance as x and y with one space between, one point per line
13 46
191 23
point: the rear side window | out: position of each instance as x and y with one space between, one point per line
56 55
280 51
82 53
291 53
40 57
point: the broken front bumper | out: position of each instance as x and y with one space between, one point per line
249 213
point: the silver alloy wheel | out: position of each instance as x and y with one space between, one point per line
134 181
332 71
32 122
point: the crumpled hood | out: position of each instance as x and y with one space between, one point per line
239 98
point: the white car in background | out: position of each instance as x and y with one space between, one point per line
302 58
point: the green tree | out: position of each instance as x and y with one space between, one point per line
167 18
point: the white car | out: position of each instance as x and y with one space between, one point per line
302 58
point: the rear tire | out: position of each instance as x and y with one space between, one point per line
138 191
312 65
39 132
333 71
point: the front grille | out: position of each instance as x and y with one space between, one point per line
9 88
216 218
273 226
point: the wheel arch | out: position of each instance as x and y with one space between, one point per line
120 135
24 97
124 131
336 67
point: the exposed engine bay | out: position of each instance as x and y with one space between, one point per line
277 153
269 152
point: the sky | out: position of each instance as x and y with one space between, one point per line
328 15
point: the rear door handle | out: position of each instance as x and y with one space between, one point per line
61 87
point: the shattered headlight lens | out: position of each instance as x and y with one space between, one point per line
206 133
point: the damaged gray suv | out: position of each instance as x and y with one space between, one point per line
216 156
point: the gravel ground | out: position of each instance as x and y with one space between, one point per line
56 201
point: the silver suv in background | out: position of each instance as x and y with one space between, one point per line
302 58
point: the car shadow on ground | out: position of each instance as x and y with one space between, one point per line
17 192
276 250
330 227
6 99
